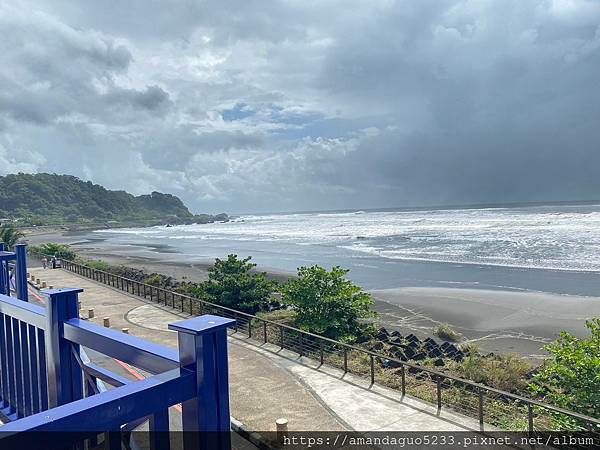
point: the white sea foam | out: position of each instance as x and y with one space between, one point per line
561 237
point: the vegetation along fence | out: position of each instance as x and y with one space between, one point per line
490 406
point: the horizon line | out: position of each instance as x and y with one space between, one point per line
500 205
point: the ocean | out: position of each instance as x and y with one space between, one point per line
535 248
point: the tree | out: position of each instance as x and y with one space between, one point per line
571 377
44 198
10 235
231 284
329 304
61 251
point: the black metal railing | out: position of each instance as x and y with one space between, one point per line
489 405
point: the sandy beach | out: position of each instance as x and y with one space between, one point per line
155 258
497 321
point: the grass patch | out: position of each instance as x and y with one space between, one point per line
506 372
470 348
155 280
98 265
445 331
283 316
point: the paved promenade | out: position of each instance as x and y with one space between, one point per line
266 383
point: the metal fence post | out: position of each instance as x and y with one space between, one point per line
265 331
345 359
65 377
321 353
21 272
203 349
439 391
529 419
403 372
480 397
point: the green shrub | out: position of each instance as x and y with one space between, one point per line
571 377
329 304
155 280
10 235
62 251
445 331
232 284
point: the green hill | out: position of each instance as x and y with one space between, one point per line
43 199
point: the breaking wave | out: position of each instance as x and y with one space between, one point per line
550 237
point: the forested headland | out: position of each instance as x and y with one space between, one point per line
51 199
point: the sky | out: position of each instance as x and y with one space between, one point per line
256 105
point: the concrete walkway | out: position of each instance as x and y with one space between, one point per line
267 383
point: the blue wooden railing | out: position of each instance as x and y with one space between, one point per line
48 384
13 271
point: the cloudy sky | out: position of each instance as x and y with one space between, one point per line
256 105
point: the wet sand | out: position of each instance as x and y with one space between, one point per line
154 258
498 321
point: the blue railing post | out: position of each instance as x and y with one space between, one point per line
21 272
3 269
65 377
203 349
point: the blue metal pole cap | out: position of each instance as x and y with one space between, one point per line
202 324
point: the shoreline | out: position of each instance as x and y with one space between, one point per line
498 321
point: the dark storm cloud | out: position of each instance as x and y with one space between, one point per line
509 122
475 167
305 105
153 98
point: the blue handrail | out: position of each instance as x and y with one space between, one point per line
48 384
105 412
146 355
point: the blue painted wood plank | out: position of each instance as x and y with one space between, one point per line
27 312
3 367
12 395
146 355
100 413
25 365
34 369
159 430
43 377
18 368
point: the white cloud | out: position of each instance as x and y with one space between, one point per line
15 160
306 104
